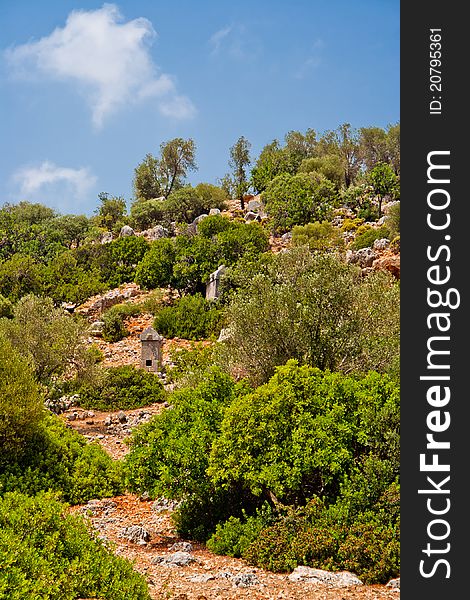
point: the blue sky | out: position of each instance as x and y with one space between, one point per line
87 89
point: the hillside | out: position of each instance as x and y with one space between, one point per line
211 384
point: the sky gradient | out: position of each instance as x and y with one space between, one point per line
87 89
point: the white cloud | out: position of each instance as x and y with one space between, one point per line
35 181
312 62
215 41
106 58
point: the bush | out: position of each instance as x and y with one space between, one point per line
47 553
156 268
366 544
122 388
190 365
235 535
169 455
113 319
313 308
48 338
191 318
56 458
393 220
6 308
126 253
351 224
367 238
21 402
318 236
298 199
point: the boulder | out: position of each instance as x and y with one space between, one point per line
337 580
179 559
251 216
381 244
181 547
363 257
394 584
136 534
214 211
126 231
389 263
155 233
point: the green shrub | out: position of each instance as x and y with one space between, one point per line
235 535
367 545
191 318
6 308
190 365
47 553
169 456
125 254
113 319
367 238
156 268
393 220
56 458
122 388
318 236
395 244
298 199
21 402
351 224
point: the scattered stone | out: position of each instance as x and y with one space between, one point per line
200 218
108 421
214 211
136 534
363 257
89 422
310 575
72 416
244 580
386 207
126 231
224 334
178 559
181 547
60 405
394 584
145 496
286 236
121 416
155 233
381 244
164 504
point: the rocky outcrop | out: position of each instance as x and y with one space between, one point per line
95 305
336 580
126 231
390 263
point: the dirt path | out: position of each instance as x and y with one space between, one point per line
206 576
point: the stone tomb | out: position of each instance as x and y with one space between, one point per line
212 286
151 357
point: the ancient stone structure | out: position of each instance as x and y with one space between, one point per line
151 357
212 286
